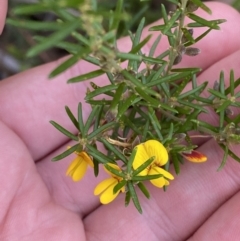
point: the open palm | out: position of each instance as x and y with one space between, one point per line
37 200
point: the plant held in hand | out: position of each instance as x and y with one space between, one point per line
143 116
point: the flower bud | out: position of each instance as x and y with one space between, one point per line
184 37
178 59
194 156
191 7
192 51
181 49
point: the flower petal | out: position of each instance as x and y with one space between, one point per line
73 165
140 157
155 148
158 170
115 167
77 169
108 196
161 181
86 158
166 182
103 185
194 156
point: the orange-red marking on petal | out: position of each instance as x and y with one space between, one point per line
194 156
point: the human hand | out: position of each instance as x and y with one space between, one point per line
39 202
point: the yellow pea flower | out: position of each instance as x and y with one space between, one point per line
78 167
105 188
146 150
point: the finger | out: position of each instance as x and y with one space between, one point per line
31 91
26 205
3 12
11 156
31 101
75 196
175 214
223 224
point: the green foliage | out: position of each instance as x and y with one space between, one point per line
145 100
